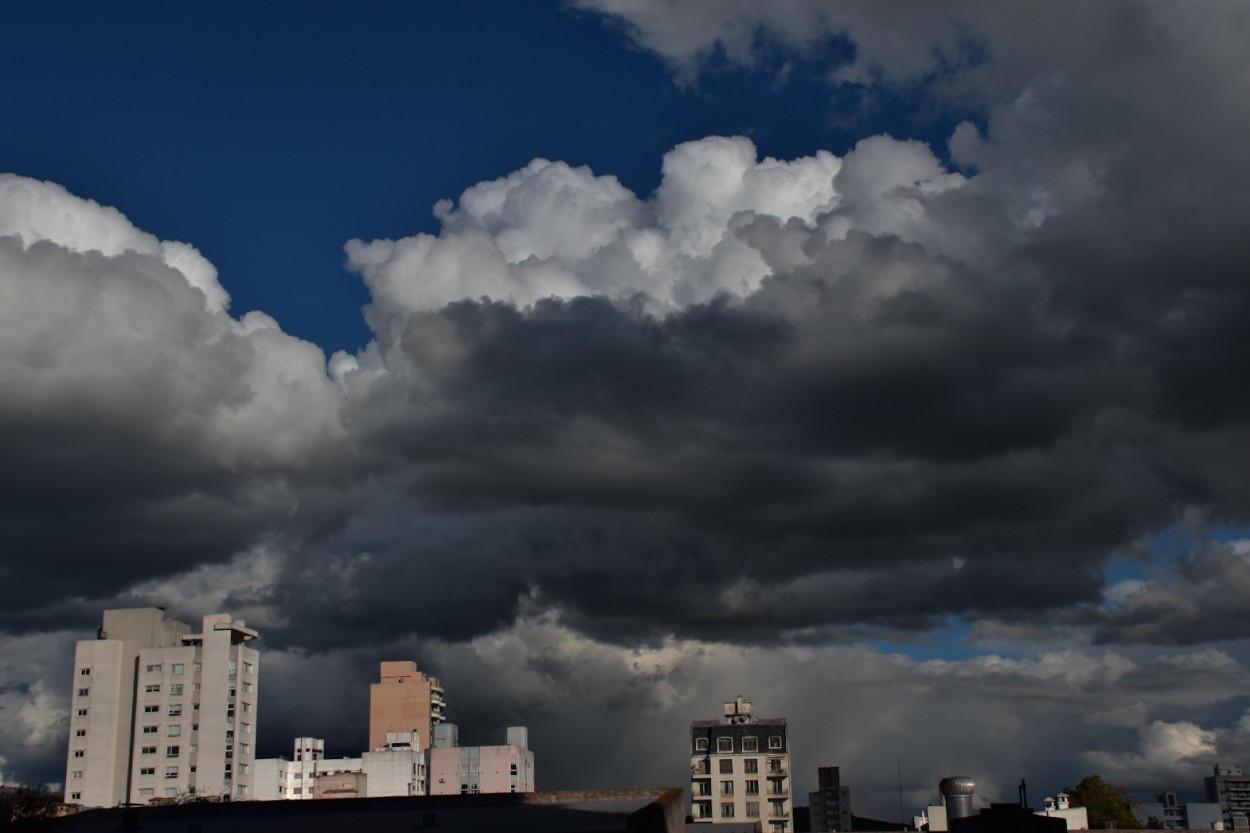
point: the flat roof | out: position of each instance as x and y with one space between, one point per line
639 810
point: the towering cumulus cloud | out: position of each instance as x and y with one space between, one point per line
620 453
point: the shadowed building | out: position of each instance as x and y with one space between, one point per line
830 804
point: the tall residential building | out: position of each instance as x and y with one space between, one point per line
740 769
404 700
160 712
1230 788
831 803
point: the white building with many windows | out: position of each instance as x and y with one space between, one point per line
159 712
740 769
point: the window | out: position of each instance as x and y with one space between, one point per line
297 790
80 733
724 745
145 792
726 787
774 742
244 749
248 668
700 767
726 766
727 811
778 827
777 808
243 769
299 776
194 748
242 789
751 766
83 692
175 668
247 708
152 688
175 731
702 787
171 751
171 772
147 770
703 809
175 689
153 709
246 728
175 709
147 750
171 792
774 765
195 727
150 730
751 744
76 775
86 672
234 667
75 796
82 712
753 787
700 744
152 669
776 786
196 666
247 688
753 809
78 753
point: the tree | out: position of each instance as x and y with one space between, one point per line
1153 823
27 807
1107 806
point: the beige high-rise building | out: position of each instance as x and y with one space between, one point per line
740 769
159 712
404 700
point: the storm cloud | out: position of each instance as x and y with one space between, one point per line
617 453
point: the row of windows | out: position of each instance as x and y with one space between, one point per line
776 809
174 668
725 745
750 766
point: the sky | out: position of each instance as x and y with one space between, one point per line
881 362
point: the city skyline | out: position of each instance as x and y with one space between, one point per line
612 358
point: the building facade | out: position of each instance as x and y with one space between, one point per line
1229 787
830 804
404 700
484 769
740 769
159 712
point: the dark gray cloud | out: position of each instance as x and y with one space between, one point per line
614 454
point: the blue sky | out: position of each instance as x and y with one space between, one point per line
270 137
889 357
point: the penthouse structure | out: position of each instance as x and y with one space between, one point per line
740 769
160 711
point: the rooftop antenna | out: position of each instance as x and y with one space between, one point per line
898 760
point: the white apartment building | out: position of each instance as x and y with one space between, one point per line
159 712
740 769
